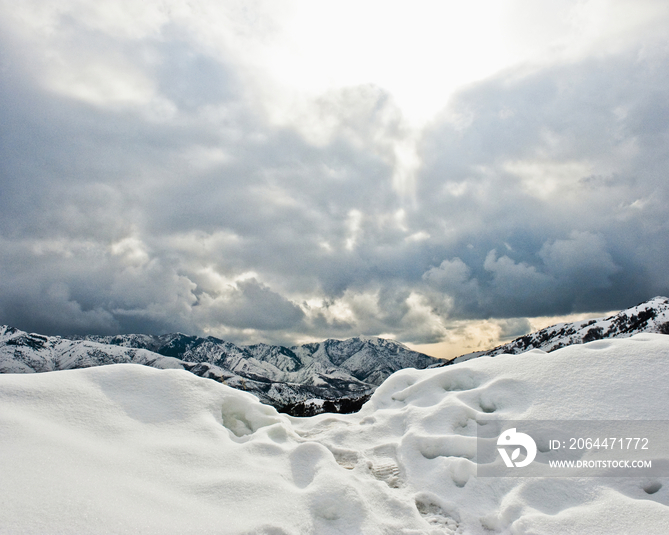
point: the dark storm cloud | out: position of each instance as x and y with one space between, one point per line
554 184
252 305
110 217
539 193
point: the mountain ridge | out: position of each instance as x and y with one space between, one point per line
650 316
329 375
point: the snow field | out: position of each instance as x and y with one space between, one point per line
131 449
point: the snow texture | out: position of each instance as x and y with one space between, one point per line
133 449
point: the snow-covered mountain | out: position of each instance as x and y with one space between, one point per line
22 352
649 317
364 359
334 375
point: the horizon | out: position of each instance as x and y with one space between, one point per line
575 319
447 176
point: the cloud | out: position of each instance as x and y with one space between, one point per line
554 278
515 284
251 305
552 170
156 179
582 259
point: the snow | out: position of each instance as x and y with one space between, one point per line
128 448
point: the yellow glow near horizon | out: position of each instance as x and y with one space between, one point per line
482 335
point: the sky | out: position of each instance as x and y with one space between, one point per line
447 174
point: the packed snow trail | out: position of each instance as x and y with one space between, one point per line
127 448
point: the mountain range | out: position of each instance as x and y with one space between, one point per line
332 376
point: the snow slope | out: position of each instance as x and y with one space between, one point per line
652 316
127 448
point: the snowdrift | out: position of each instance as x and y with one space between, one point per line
127 448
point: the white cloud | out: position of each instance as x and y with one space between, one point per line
549 180
354 227
132 250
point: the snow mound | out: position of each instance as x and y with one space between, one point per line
127 448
